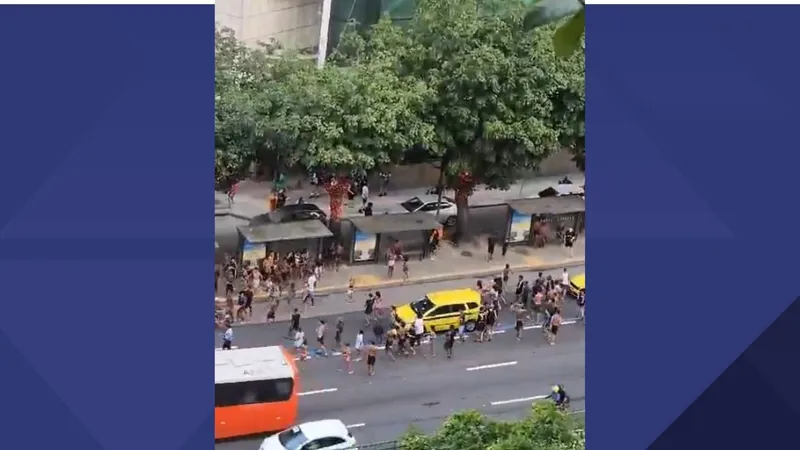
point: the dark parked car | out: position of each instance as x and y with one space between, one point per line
291 213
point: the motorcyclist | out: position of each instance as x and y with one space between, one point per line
560 396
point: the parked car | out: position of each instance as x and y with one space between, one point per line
329 434
429 203
291 213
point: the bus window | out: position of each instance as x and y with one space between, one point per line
253 392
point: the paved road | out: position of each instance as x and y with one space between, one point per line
335 305
500 378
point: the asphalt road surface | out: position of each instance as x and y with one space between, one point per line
501 378
392 295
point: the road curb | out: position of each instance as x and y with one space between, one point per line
437 278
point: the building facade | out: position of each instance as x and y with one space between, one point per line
296 24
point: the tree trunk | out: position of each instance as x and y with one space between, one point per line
462 214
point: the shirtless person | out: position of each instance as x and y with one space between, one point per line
372 353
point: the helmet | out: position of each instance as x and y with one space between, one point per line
556 388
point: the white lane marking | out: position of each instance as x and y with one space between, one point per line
356 425
578 411
518 400
491 366
321 391
566 322
233 347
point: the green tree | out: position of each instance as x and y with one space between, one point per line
494 85
545 428
342 119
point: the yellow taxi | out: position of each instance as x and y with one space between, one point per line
440 310
577 284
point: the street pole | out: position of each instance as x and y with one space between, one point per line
324 30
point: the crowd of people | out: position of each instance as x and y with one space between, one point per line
539 301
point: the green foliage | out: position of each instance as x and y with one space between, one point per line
546 428
500 102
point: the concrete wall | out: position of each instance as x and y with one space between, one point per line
293 23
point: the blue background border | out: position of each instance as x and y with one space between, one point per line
692 185
106 229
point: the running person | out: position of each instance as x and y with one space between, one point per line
321 336
555 323
449 341
519 314
348 360
339 331
491 322
372 353
359 344
391 338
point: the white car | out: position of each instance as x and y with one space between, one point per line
428 204
329 434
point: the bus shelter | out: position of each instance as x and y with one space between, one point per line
255 242
525 215
373 235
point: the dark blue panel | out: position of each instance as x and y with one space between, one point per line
692 205
106 229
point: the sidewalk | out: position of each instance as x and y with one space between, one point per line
468 261
252 198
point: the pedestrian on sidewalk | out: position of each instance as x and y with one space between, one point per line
491 244
405 267
390 264
227 337
504 248
385 177
569 241
232 193
364 196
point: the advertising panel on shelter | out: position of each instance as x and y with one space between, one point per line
364 248
520 229
253 252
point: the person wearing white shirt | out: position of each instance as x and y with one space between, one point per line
359 344
364 197
419 330
227 338
565 279
311 285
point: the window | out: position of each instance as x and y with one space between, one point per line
252 392
432 207
412 204
458 308
472 305
442 310
292 439
422 305
323 443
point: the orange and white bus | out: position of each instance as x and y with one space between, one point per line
255 391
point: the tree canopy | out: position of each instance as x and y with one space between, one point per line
464 84
545 428
501 100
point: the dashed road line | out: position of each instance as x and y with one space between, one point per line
356 425
321 391
518 400
492 366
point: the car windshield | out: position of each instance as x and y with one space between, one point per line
292 439
422 305
412 204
